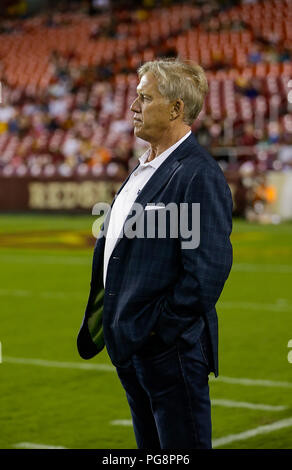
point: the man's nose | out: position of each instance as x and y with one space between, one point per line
135 106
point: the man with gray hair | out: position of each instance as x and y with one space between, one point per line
152 299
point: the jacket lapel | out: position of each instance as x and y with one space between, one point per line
157 181
104 226
164 172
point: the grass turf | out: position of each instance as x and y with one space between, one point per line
45 275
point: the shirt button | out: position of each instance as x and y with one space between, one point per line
136 173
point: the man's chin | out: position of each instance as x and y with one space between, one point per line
138 132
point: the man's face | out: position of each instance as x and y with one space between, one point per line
152 110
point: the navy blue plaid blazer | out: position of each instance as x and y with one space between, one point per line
153 284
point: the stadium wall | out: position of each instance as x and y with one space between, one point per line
78 194
28 194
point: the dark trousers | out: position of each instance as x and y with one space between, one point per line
168 394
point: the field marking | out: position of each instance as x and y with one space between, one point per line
243 404
262 268
110 368
44 294
33 445
281 305
218 402
277 307
242 436
121 422
58 364
251 382
86 261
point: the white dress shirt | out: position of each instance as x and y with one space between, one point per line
125 199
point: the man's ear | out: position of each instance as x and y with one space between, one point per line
177 109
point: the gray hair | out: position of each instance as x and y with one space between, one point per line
179 79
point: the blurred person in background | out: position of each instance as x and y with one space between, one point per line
152 300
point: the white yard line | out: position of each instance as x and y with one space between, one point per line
43 259
86 260
44 294
262 268
219 442
219 402
242 436
107 367
281 305
273 307
250 382
58 364
216 402
121 422
33 445
243 404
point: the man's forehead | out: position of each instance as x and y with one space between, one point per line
147 83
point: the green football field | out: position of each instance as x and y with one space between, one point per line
51 397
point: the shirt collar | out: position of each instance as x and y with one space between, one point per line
156 162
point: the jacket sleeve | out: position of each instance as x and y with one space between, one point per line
205 268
